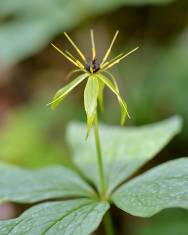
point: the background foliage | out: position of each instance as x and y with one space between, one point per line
154 80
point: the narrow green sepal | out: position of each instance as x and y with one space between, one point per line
115 90
100 95
89 124
90 101
60 95
124 112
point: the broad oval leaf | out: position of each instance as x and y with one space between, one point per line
164 186
90 100
60 95
73 217
28 186
124 150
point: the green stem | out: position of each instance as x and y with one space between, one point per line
108 225
99 158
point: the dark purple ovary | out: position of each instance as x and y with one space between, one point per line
95 66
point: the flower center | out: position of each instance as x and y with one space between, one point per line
94 64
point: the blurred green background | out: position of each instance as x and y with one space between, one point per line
154 80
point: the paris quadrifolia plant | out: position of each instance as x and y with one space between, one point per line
74 201
97 76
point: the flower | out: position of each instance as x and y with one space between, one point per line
97 76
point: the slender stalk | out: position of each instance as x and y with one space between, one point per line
108 225
99 158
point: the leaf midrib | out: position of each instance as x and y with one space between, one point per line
62 217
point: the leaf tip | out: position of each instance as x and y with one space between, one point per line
178 122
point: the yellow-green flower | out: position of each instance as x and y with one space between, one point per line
97 76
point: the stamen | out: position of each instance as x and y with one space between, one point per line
112 60
93 44
66 56
76 48
77 61
71 55
121 58
110 48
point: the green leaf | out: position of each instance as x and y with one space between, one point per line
100 95
124 150
90 100
73 217
60 95
121 101
28 186
164 186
